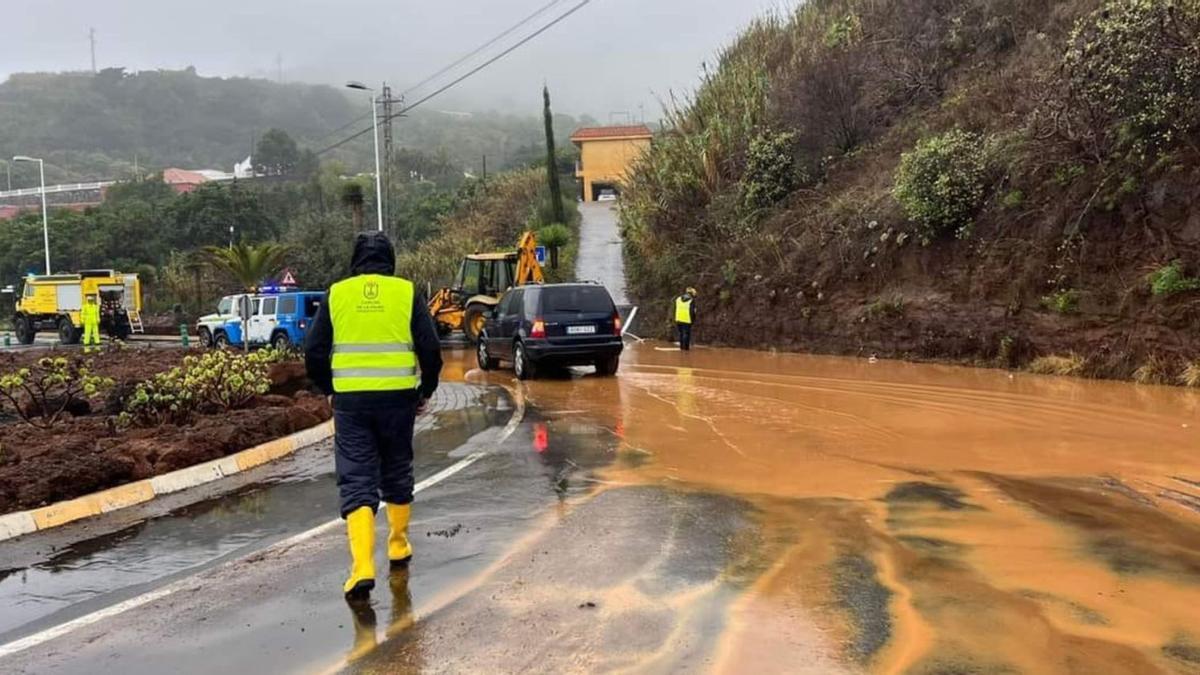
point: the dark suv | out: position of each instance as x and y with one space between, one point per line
558 325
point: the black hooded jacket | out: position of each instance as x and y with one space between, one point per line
373 254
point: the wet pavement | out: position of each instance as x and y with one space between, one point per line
600 237
736 511
66 572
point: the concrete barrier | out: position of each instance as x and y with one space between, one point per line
20 523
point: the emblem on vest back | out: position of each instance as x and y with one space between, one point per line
371 290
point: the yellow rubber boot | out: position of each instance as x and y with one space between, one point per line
360 530
399 550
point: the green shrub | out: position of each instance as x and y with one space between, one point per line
771 172
1063 302
554 237
1013 199
885 309
216 381
41 393
1170 279
1132 75
940 183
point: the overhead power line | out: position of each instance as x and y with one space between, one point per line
433 76
455 82
480 48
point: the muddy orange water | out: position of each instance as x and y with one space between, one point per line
928 519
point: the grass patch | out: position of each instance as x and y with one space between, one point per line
1062 302
1190 377
1155 370
1071 364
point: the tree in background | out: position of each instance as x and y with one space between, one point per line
560 215
276 154
248 264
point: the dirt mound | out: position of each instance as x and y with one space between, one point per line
88 453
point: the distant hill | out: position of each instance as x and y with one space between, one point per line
91 126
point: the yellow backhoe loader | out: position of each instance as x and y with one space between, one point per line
482 279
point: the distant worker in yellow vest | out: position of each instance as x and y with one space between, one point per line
685 316
364 349
90 316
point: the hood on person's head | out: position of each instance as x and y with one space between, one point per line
373 254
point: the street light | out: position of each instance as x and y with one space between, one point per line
45 214
375 127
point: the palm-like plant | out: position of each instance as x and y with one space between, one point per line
248 264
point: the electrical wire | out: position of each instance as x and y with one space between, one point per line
557 20
489 43
466 57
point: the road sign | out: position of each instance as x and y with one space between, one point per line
540 252
288 279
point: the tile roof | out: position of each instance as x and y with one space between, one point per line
631 131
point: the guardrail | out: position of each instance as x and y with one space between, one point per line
54 189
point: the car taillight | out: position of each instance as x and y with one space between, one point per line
616 324
539 329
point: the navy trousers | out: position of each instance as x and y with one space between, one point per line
373 454
685 335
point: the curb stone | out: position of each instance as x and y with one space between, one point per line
20 523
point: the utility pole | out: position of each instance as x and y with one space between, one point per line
92 39
387 151
485 168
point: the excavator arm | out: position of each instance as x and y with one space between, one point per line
529 271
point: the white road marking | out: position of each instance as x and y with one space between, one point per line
99 615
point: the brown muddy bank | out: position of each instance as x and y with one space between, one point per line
927 519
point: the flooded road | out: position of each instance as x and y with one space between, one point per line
733 511
916 518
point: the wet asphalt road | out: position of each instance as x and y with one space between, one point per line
739 512
600 238
54 576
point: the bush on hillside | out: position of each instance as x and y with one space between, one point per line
771 172
941 183
1170 279
1132 77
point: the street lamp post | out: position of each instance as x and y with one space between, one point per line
45 213
375 128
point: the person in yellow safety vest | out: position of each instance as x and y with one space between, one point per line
374 348
90 316
685 316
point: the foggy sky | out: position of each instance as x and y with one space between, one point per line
611 56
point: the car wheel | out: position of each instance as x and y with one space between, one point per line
66 332
221 341
206 337
281 341
608 367
24 330
486 362
522 366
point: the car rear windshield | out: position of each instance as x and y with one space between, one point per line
584 299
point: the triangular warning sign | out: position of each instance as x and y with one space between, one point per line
288 279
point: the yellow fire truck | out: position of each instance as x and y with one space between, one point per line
53 302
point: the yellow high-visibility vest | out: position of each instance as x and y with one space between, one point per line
372 334
90 313
683 310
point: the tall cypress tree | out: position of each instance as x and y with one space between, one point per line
560 215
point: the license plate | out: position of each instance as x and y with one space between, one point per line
581 330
